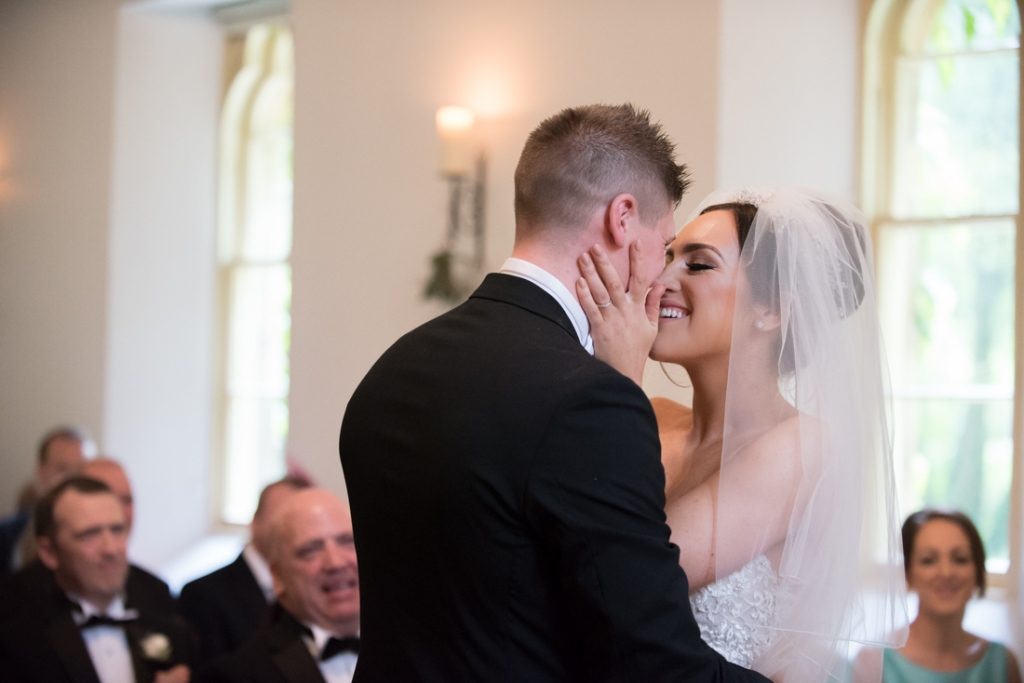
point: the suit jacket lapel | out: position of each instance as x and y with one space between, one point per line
134 635
67 642
290 653
297 664
524 294
245 585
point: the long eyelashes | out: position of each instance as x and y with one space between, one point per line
693 266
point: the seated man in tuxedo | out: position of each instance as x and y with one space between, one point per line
143 591
82 629
229 605
313 632
61 453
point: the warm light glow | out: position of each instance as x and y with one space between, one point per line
454 125
454 121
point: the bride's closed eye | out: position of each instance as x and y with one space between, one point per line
697 266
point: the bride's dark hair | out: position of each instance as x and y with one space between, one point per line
742 213
764 279
764 283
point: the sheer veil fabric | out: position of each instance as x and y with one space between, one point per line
806 327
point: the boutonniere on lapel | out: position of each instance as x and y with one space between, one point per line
156 647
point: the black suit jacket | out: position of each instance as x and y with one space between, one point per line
45 646
226 606
23 591
276 654
507 495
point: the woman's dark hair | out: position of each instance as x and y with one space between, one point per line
763 274
742 213
764 282
913 525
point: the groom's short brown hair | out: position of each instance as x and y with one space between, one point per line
583 157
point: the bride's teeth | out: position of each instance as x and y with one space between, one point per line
671 313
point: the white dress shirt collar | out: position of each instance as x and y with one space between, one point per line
107 644
339 668
553 286
320 637
115 610
260 570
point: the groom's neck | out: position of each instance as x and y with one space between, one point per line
561 263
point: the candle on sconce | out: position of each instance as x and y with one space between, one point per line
454 125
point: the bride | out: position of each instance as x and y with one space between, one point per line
776 475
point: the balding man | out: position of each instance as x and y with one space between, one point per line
146 592
111 473
229 605
313 633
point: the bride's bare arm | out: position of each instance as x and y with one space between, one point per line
763 482
623 322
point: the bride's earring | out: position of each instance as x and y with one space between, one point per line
759 324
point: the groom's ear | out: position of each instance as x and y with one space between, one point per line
620 216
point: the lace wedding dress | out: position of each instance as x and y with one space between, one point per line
734 614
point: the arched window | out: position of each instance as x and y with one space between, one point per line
255 238
941 184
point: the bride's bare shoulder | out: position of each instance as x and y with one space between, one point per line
671 416
790 443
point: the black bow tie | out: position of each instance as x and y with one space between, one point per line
104 620
336 646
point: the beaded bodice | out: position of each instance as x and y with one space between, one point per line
734 614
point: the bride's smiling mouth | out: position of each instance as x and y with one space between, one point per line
671 311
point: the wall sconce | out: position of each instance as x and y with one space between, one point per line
458 266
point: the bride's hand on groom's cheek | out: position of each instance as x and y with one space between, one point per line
623 321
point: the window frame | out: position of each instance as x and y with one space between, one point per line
882 37
236 21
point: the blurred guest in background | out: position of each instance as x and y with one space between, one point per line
82 628
944 560
111 473
229 605
314 626
143 590
62 451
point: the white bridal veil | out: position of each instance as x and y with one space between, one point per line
806 319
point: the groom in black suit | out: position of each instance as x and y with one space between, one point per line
506 488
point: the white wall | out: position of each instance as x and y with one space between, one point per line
161 294
105 237
789 94
369 206
56 85
786 109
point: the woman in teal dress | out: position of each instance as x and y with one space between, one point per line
945 563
